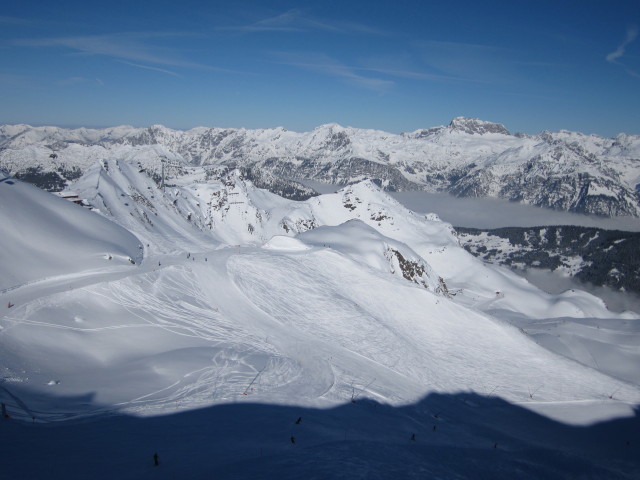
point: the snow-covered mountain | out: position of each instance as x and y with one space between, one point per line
469 157
337 336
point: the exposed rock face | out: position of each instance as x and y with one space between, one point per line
414 271
473 126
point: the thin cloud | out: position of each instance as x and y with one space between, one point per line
320 63
405 66
632 73
14 20
296 20
15 80
290 21
470 62
155 69
393 72
349 74
131 47
66 82
632 34
72 81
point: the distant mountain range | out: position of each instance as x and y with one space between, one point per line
469 157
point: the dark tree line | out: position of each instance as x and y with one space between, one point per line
610 257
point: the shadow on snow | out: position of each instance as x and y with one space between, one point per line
462 435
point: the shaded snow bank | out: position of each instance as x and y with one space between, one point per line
442 436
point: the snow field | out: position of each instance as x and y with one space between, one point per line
210 348
280 328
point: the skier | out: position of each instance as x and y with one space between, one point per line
4 411
293 439
299 420
155 460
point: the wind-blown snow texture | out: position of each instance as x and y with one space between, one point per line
469 157
400 352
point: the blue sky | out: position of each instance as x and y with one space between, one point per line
395 66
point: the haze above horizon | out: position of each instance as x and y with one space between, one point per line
396 67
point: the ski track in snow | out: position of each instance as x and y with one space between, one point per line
178 305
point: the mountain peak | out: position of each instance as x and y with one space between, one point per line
329 126
475 126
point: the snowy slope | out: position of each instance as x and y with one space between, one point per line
44 235
233 212
124 192
346 300
309 324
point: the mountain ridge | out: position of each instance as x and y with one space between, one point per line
469 157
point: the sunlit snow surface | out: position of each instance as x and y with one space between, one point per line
311 309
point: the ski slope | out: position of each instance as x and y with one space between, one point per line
347 310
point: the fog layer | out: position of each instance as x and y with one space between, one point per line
496 213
